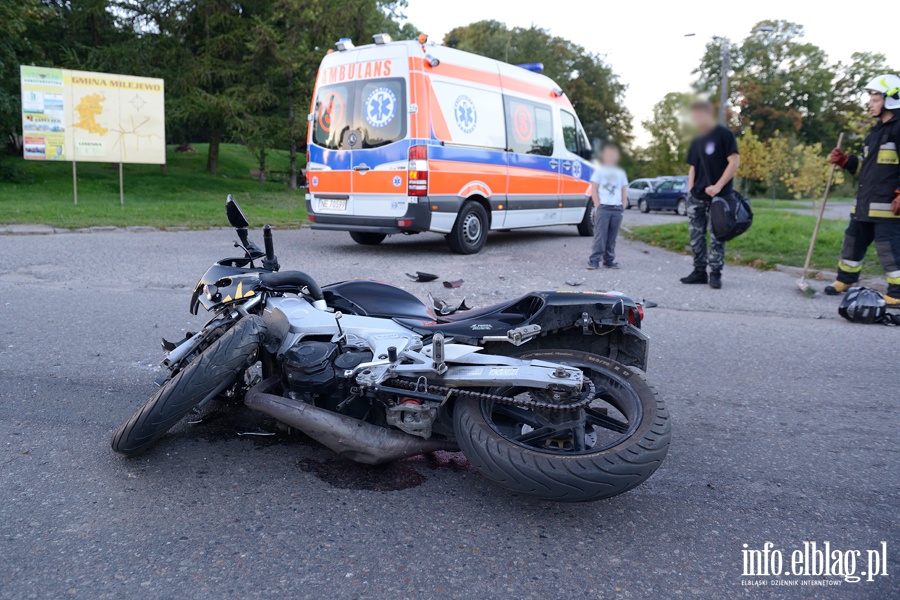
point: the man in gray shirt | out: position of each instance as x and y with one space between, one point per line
609 192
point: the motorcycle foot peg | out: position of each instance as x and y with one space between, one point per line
392 354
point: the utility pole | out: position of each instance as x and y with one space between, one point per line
723 85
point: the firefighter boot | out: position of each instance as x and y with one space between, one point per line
838 287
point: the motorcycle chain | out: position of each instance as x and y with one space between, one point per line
440 390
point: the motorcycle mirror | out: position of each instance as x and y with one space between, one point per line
234 213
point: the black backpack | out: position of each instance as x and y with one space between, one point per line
729 216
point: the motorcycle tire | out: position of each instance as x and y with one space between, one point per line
203 378
577 476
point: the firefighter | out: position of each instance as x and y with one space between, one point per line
876 215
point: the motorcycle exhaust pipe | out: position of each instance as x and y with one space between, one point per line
351 438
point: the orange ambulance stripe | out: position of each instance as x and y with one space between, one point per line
532 181
487 78
333 182
379 182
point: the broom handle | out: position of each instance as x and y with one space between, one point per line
812 242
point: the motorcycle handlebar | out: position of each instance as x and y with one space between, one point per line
268 243
291 281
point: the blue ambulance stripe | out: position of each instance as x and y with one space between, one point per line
340 160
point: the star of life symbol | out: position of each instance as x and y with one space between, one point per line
381 105
397 181
576 169
466 117
137 102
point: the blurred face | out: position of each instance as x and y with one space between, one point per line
609 156
876 103
702 119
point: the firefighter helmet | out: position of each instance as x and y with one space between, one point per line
888 85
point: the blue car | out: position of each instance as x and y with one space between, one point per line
668 193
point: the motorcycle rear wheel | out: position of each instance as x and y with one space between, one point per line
205 377
623 439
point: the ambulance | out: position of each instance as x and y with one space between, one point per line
408 137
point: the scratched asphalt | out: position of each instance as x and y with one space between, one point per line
784 430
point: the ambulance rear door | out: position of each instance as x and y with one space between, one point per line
329 168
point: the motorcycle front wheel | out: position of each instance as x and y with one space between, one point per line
606 449
205 377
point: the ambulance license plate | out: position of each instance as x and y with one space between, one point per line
333 204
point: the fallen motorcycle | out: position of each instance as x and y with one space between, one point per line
545 394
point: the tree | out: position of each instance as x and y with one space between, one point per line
591 85
782 83
15 49
779 81
780 161
667 151
756 163
809 172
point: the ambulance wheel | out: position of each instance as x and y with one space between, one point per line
470 231
367 239
586 227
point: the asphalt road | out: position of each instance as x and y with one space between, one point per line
784 430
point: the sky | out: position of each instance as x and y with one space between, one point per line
644 41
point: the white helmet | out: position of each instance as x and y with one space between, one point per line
887 85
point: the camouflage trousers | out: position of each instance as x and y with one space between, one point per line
698 216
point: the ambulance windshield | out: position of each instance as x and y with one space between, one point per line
373 109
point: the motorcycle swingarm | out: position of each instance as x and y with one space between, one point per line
475 370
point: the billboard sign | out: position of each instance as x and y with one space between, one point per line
92 117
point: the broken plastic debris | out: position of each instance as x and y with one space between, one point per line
453 284
421 276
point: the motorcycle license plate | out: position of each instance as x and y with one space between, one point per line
332 204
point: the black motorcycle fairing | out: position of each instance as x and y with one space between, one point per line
375 299
552 310
223 283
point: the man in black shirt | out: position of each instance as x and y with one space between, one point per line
714 159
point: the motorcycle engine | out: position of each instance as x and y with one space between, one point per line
313 371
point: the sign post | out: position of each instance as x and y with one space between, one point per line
121 187
74 183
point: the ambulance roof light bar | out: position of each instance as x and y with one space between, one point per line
344 44
535 67
382 38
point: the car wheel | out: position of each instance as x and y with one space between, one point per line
682 207
470 231
366 238
644 206
586 227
